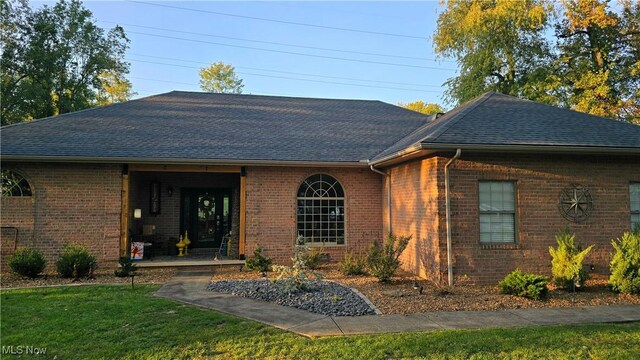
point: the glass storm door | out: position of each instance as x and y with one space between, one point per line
206 215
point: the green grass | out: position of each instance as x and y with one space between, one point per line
120 322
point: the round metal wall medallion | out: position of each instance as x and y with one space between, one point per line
575 203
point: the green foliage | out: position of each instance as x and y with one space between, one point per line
592 64
297 277
566 263
258 262
76 262
499 45
53 58
625 264
220 78
313 257
524 285
27 262
384 261
352 265
422 107
127 267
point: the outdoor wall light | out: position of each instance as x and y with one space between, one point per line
170 191
137 213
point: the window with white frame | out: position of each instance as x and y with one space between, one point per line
320 214
634 197
497 211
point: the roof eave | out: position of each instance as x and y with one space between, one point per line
177 161
419 150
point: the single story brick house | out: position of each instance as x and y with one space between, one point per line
482 189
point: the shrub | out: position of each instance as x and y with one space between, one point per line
27 262
566 263
524 285
352 265
625 264
295 278
127 267
258 262
313 257
76 262
383 261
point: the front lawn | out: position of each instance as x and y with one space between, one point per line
120 322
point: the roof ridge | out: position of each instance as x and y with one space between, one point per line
474 104
277 96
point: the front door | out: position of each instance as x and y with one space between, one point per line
206 214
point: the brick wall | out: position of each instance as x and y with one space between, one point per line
77 203
414 211
271 209
418 209
539 180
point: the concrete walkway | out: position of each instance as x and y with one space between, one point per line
190 287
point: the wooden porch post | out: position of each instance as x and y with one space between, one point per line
124 216
243 199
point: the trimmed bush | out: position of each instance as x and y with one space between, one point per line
258 262
524 285
625 264
566 262
313 257
76 262
352 265
383 261
127 267
27 262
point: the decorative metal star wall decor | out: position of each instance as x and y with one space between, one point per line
575 203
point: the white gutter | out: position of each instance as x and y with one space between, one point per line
448 215
388 176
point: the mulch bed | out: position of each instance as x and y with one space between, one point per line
400 297
101 276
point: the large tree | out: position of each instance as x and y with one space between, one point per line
599 58
53 59
422 107
499 46
220 78
590 62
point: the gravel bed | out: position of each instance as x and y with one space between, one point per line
326 298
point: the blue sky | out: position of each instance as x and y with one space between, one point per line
165 60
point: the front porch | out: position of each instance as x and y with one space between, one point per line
162 203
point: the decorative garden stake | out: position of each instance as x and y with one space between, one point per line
187 242
180 245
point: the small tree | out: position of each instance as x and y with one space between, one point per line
566 262
625 264
384 261
258 262
220 78
297 277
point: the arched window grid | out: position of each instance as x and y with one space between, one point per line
321 210
15 185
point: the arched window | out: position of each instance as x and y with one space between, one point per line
14 184
321 210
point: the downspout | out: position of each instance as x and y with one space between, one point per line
448 215
388 176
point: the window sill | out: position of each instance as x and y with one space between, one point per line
324 245
498 246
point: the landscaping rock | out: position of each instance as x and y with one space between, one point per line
326 298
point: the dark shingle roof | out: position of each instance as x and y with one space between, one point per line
203 126
189 126
497 119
